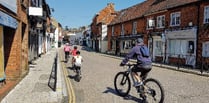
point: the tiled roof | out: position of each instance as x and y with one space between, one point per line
133 12
105 15
147 7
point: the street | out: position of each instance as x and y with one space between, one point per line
97 83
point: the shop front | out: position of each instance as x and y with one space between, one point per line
181 46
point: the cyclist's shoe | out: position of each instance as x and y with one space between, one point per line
136 84
140 89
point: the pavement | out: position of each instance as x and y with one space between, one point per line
43 84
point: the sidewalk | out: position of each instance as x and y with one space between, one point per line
43 84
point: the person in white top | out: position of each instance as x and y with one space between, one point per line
77 59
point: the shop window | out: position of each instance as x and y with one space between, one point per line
177 47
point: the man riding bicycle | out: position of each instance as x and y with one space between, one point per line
144 64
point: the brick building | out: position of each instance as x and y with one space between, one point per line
174 34
14 43
99 27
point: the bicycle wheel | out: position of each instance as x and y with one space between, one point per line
122 84
154 92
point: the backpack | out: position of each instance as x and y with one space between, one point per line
144 51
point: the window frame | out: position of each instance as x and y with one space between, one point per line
112 30
122 29
160 21
175 18
206 14
134 29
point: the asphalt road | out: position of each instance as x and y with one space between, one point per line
99 70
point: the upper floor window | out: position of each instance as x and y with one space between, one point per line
150 23
206 14
134 30
112 30
161 21
175 19
36 3
122 29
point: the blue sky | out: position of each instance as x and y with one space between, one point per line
76 13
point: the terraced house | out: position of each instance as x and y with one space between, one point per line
176 31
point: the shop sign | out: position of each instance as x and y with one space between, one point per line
8 20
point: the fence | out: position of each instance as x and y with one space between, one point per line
184 61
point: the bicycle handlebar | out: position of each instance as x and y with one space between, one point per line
129 65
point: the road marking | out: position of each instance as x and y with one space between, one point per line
70 90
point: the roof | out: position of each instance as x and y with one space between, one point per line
147 7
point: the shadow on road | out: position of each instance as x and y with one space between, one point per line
129 97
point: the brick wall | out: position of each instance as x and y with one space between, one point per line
203 32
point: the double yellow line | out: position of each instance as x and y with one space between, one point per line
71 94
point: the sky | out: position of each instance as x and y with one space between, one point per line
77 13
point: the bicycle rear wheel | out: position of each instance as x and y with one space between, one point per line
122 84
154 92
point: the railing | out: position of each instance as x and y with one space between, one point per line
53 76
184 61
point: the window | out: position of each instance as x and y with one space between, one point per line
134 30
36 3
206 14
112 30
205 51
177 47
161 21
150 23
122 29
175 19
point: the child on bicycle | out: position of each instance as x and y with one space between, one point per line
77 61
67 50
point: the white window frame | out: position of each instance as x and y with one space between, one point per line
112 30
175 19
161 21
122 29
134 30
206 14
150 23
205 50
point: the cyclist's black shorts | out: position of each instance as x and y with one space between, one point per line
144 69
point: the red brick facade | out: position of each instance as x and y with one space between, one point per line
15 47
191 16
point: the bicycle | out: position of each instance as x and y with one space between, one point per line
67 56
78 73
146 90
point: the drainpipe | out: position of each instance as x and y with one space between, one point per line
197 36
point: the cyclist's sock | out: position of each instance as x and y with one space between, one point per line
137 84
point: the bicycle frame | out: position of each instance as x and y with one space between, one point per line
129 71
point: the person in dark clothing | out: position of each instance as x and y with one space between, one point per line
144 64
